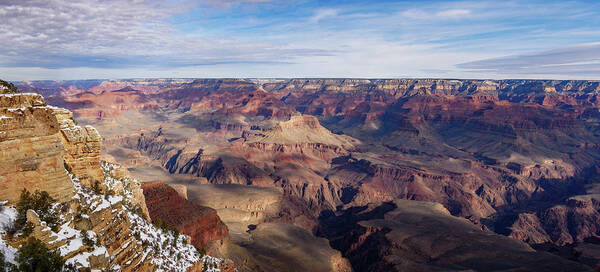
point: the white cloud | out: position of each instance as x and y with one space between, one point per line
131 38
323 14
453 13
581 60
435 14
119 33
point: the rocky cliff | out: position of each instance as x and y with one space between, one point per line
201 223
100 213
31 148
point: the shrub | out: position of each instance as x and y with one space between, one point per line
78 216
27 229
97 188
165 227
11 229
145 244
2 265
86 239
34 256
72 268
138 210
41 203
201 251
7 87
176 238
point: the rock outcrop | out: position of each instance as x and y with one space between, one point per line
300 129
201 223
31 148
83 145
300 135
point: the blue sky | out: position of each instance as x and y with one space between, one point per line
64 39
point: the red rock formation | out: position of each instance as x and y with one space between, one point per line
202 224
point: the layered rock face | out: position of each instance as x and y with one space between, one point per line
239 206
300 134
41 148
31 148
83 146
117 238
260 240
201 223
562 225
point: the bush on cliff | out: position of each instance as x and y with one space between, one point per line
2 264
7 87
41 203
34 256
97 188
165 226
86 239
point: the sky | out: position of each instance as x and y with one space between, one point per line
70 39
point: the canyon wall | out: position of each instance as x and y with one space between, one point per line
31 148
100 213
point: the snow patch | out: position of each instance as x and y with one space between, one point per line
8 215
19 94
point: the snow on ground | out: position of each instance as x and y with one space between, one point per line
8 215
18 110
167 252
114 184
165 249
18 94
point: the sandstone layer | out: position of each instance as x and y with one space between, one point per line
31 148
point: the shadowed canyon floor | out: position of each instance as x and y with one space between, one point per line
283 159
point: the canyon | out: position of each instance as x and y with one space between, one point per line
360 174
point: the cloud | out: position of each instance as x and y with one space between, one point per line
231 3
435 13
453 13
579 60
124 38
323 14
120 33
